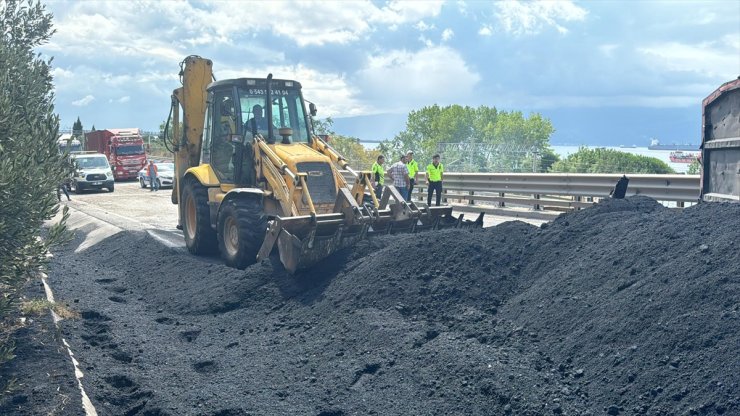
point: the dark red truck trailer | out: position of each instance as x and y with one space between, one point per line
123 147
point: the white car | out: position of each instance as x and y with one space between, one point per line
165 173
91 171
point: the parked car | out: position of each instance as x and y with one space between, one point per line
165 173
91 171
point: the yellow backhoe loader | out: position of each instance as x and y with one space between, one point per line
250 175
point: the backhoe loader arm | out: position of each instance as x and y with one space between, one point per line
363 182
195 74
318 144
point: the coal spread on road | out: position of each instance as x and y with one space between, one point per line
622 308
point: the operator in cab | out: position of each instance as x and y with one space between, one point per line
258 122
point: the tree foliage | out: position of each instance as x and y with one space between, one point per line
602 160
31 167
476 139
694 168
77 128
356 154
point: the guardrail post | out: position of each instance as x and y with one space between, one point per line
444 195
501 204
537 206
679 204
471 201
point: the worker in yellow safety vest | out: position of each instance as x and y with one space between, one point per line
413 170
378 176
434 179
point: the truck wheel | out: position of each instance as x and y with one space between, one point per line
242 225
110 188
77 187
200 237
142 183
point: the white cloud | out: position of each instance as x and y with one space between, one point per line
447 34
400 80
529 18
539 102
330 91
427 42
124 99
717 59
485 31
83 101
423 27
399 11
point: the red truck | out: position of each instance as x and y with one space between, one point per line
123 147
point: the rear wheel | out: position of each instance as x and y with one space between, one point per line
242 226
200 238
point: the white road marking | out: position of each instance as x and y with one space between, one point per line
86 403
165 241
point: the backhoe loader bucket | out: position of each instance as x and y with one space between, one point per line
395 214
304 240
435 218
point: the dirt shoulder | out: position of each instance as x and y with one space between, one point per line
42 369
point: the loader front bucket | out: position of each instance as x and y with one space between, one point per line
433 218
304 240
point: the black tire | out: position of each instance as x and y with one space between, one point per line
77 187
242 226
111 188
142 183
200 237
159 184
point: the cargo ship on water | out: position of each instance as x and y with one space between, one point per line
681 157
656 145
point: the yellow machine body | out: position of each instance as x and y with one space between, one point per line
243 191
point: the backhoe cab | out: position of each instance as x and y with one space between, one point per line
252 176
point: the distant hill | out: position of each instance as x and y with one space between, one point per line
610 126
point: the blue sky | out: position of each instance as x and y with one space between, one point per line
643 65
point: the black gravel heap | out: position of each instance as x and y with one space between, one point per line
622 308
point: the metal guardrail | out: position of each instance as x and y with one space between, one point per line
494 192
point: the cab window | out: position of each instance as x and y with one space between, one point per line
223 129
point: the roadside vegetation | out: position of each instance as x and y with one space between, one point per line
36 307
602 160
482 139
30 166
359 156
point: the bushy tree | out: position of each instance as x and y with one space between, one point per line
602 160
31 167
694 168
357 155
77 128
476 139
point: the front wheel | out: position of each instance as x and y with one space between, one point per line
142 183
111 188
242 226
76 186
200 238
